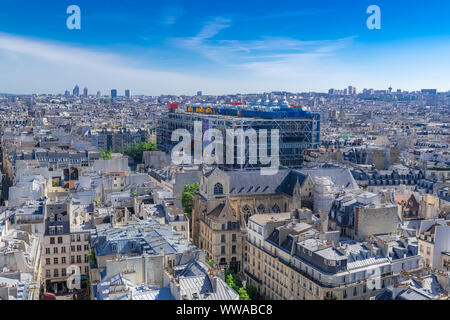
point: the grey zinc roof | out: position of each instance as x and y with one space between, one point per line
200 288
410 294
146 293
321 248
331 254
162 238
356 264
341 177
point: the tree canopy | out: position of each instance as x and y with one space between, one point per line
234 281
137 150
188 197
106 155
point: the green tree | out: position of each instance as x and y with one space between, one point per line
230 282
88 289
106 155
92 258
243 294
252 292
234 281
188 197
236 278
211 263
137 150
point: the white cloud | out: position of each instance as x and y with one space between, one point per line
270 63
30 65
259 56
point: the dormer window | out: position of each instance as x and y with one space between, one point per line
52 218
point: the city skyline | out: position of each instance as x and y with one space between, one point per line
156 48
331 91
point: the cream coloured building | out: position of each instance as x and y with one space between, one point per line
287 259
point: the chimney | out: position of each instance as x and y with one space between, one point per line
213 280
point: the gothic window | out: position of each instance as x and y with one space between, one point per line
276 209
261 209
218 189
246 212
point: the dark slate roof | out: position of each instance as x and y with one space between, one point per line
274 236
386 294
64 224
289 182
288 243
216 211
252 182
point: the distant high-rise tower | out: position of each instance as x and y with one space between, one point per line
67 93
99 94
113 93
199 93
127 93
85 92
76 91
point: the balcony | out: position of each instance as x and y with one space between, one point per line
251 276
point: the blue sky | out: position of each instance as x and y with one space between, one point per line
246 46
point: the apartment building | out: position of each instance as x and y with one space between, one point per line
360 215
117 139
221 237
20 250
434 243
65 247
289 260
